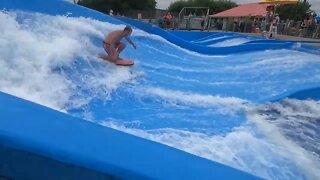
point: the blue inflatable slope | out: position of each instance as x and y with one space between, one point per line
302 94
37 142
56 7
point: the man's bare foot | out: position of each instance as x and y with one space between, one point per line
107 58
104 57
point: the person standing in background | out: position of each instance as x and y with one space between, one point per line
188 24
168 19
202 23
224 24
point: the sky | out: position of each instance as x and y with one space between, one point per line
163 4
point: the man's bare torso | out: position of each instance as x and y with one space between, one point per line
114 38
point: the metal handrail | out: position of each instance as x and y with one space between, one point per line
185 8
182 13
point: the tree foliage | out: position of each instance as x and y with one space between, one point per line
215 6
118 5
296 12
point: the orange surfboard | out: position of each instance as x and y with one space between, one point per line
119 62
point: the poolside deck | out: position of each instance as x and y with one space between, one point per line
287 37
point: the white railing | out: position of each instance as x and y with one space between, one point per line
196 13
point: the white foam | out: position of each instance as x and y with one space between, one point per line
167 66
31 50
276 61
189 52
276 128
164 52
241 149
211 39
270 156
225 105
293 107
230 42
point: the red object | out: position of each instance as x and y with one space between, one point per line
124 62
119 62
270 8
244 10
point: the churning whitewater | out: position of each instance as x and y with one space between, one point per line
207 105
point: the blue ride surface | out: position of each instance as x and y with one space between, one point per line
239 105
49 144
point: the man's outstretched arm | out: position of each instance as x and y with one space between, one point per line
129 40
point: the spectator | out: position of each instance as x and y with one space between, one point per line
249 25
254 25
287 26
292 28
263 24
311 26
202 23
241 25
235 24
224 24
168 20
269 18
276 20
188 24
303 27
281 27
139 16
175 23
316 34
274 25
160 22
111 12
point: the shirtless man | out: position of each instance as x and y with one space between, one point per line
112 43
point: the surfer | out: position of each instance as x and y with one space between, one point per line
112 43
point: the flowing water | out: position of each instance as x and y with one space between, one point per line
211 106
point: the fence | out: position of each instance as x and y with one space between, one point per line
290 28
145 14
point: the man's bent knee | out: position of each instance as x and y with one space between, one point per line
122 46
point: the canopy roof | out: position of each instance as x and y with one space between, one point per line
244 10
278 1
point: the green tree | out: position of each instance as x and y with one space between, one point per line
118 5
215 6
296 12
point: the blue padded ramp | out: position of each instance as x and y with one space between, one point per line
29 127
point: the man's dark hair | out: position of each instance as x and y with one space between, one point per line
127 28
